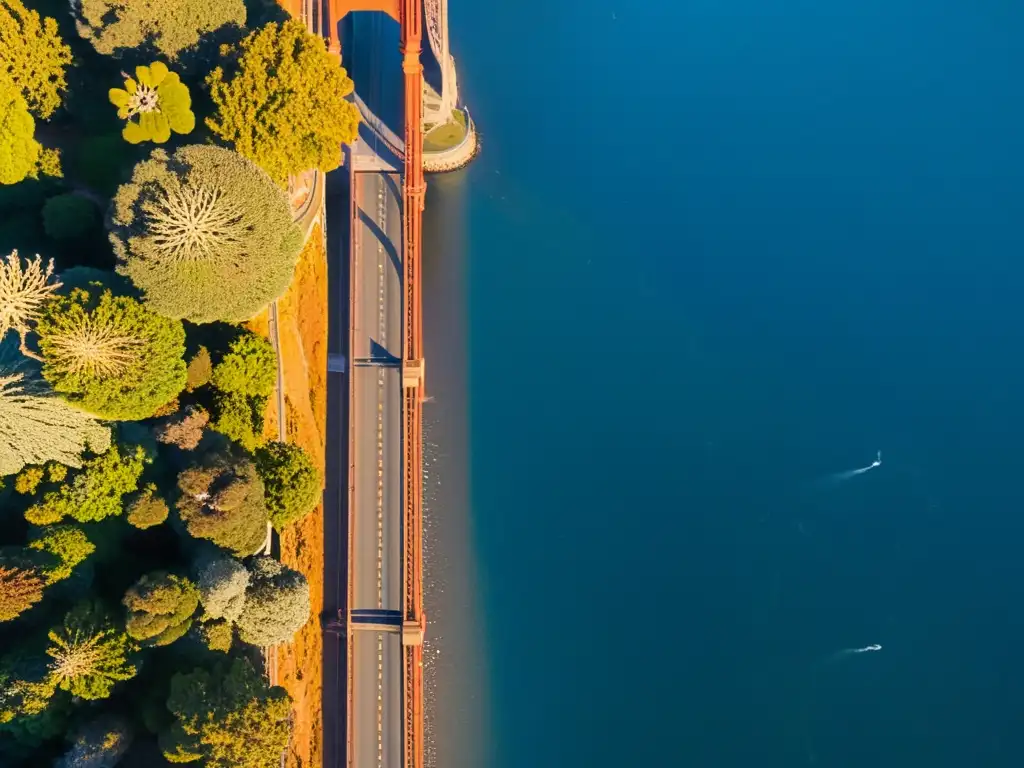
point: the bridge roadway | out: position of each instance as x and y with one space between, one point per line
376 584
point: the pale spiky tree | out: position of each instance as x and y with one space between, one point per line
193 223
36 425
95 349
89 654
23 291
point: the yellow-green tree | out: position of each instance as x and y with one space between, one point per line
285 75
160 101
21 156
33 55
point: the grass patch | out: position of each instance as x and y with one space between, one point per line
448 135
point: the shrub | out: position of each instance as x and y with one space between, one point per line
100 743
226 716
204 234
239 418
285 75
221 500
222 584
146 509
35 424
249 368
110 355
24 289
21 587
200 370
172 26
159 99
89 654
68 216
276 603
185 429
95 491
33 56
292 481
69 546
160 607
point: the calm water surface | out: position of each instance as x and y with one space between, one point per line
712 253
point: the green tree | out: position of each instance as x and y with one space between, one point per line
222 584
95 491
35 424
21 156
146 509
226 716
217 635
204 234
68 216
21 587
115 27
183 429
89 654
292 482
239 418
221 499
24 290
249 368
159 99
110 355
69 546
200 370
285 75
276 603
99 743
33 56
160 607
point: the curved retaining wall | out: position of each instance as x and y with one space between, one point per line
455 157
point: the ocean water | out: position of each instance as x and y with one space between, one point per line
713 253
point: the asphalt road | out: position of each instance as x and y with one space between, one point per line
376 569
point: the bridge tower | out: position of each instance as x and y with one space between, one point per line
409 15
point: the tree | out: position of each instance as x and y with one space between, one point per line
159 99
69 546
95 491
172 26
183 429
200 370
33 55
249 368
68 216
221 499
204 234
226 716
285 75
35 424
222 585
217 635
292 482
100 743
160 607
89 654
239 418
276 603
146 509
21 156
24 289
21 587
110 355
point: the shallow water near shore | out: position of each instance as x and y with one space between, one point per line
714 253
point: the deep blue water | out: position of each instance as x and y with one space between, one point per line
714 252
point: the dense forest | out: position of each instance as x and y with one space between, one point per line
146 149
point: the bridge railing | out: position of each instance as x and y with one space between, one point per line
391 139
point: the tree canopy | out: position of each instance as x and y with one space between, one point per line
99 743
249 368
33 56
35 424
21 156
222 585
21 587
183 429
146 509
24 289
114 27
89 654
204 234
69 546
286 76
159 99
292 481
110 355
221 499
227 716
68 216
160 607
276 603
